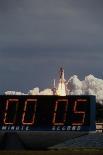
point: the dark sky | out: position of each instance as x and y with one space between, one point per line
39 36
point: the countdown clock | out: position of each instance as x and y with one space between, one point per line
47 113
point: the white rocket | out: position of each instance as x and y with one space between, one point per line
61 88
62 80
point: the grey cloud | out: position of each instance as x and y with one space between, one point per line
39 35
44 22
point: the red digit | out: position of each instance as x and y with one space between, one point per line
10 113
28 116
60 110
79 113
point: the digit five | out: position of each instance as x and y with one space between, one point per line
79 113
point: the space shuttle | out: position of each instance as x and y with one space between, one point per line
61 75
61 86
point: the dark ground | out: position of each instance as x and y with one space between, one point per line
56 152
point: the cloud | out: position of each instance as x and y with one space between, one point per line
89 86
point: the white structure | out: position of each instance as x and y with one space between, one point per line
61 88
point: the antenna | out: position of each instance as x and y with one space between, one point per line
54 87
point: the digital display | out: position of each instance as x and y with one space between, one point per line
47 113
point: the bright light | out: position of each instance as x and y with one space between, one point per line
61 90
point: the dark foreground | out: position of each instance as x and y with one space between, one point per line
56 152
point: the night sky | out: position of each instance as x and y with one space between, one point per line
37 37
